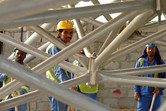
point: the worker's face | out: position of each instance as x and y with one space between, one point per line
19 56
151 51
66 35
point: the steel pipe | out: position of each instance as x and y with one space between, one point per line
136 45
81 33
107 16
108 40
158 42
55 41
30 57
81 43
13 9
20 100
49 87
34 37
92 21
65 65
76 13
135 24
136 71
36 94
132 80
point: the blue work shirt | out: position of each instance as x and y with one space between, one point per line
146 90
59 72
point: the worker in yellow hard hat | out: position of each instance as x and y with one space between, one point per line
57 74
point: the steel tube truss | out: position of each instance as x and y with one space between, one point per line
138 12
63 14
48 87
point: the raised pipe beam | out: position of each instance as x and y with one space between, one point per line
13 9
16 84
81 33
36 94
49 87
82 12
81 43
34 37
92 21
109 39
136 71
107 16
134 25
158 42
30 57
31 96
29 49
136 45
56 41
132 80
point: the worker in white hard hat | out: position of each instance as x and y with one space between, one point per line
57 74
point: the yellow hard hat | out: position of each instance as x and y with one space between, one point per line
65 25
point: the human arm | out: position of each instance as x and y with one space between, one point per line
136 87
24 89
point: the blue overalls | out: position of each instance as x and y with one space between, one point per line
59 75
145 91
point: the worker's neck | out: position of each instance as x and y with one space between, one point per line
150 59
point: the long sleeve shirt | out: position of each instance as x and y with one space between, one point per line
60 73
146 90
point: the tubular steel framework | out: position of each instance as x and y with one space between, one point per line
31 13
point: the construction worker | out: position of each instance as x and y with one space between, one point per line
144 94
57 74
19 56
85 88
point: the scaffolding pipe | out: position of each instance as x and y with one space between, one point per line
36 94
107 16
82 12
136 71
20 100
55 41
13 9
30 57
134 24
158 42
92 21
65 65
34 37
81 33
132 80
108 40
136 45
81 43
52 61
49 87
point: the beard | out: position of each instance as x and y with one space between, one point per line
151 55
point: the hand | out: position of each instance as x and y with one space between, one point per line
156 91
137 96
16 93
74 88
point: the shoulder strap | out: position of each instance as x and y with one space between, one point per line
141 61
